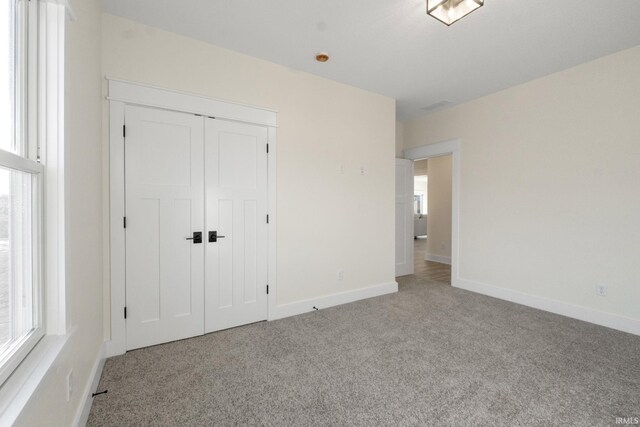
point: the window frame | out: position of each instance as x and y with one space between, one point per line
19 349
25 160
42 120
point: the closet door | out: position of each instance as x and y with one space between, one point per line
236 220
164 178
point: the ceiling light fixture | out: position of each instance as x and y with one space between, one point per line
322 57
449 11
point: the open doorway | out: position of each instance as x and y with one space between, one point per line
432 218
436 204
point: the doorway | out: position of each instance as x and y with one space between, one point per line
446 255
432 218
195 225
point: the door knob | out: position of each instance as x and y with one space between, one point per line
213 236
197 237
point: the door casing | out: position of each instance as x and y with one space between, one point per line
122 93
451 147
404 217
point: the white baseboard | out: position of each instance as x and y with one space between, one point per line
82 416
610 320
438 258
114 348
305 306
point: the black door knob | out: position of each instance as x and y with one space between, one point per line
213 236
197 237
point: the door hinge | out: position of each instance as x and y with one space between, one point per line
267 219
267 289
124 222
124 131
125 312
267 148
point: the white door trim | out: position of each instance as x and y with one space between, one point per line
445 148
121 93
406 200
169 99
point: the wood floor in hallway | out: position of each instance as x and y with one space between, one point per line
429 270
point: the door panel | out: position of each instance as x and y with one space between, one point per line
144 246
250 244
225 254
404 217
164 177
237 159
236 207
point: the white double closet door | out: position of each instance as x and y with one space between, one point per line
184 175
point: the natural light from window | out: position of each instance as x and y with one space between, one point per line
7 75
20 198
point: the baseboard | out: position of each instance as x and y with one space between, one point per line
82 416
305 306
114 348
438 258
609 320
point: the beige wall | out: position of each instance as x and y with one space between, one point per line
420 167
325 218
550 174
399 140
439 202
84 225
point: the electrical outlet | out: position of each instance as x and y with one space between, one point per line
340 275
361 170
601 290
69 385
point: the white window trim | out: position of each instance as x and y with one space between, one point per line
51 130
49 126
22 347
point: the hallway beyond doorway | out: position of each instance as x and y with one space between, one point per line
429 270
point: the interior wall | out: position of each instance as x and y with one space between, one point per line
550 169
327 132
399 140
439 202
83 168
421 167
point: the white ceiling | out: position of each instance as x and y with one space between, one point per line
393 48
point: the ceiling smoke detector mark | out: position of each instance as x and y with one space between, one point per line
437 106
322 57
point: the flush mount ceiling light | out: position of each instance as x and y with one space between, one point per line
322 57
449 11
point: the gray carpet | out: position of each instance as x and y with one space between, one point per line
428 355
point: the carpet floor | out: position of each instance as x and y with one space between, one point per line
428 355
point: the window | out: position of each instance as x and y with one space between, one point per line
420 194
21 182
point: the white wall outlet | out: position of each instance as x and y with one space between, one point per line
69 385
361 170
340 275
601 290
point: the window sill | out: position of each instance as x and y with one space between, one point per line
20 386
